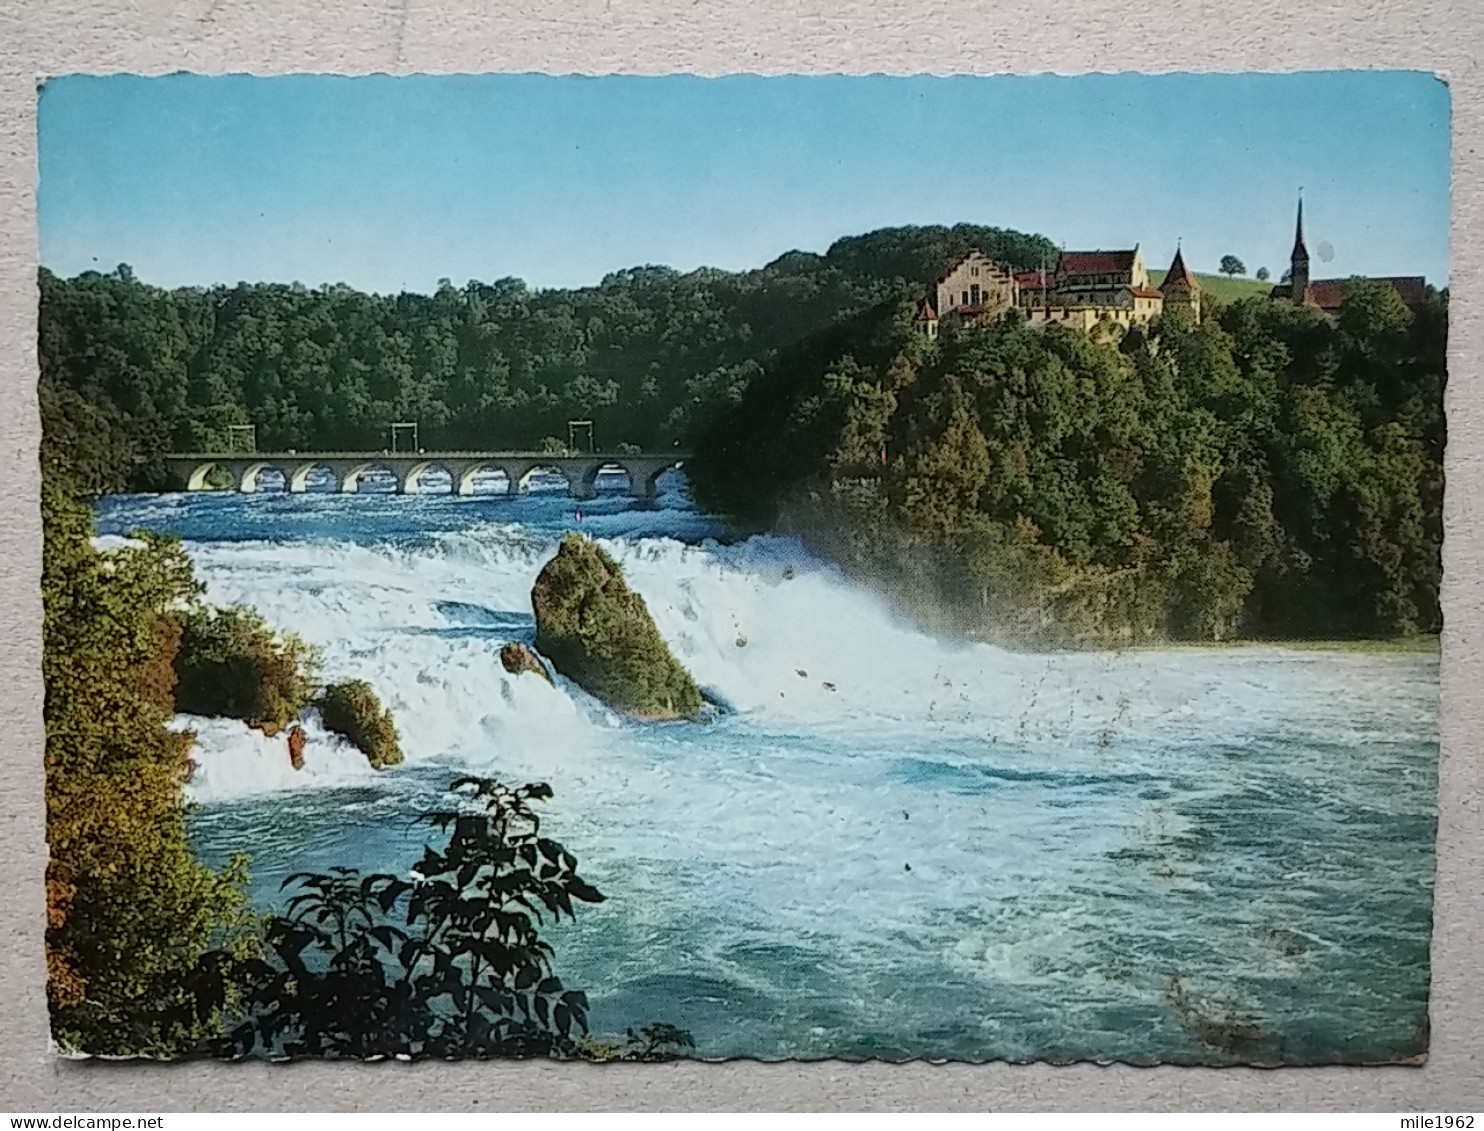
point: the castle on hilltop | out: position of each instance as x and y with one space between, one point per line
1098 290
1090 290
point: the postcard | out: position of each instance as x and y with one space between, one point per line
803 567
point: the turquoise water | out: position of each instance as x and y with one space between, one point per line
893 846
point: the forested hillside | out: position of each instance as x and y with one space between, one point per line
1267 473
130 371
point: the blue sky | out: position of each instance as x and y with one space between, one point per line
390 184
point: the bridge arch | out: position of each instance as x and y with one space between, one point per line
251 481
199 478
351 475
298 479
408 481
645 474
465 477
247 477
585 482
521 480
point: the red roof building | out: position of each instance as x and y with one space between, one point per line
1089 288
1329 294
1178 275
1180 289
1098 262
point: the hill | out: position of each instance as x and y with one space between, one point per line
1267 473
648 354
1222 288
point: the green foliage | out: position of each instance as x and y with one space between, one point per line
1268 472
788 430
448 963
649 354
87 447
351 708
1231 265
598 632
233 665
920 254
657 1041
132 919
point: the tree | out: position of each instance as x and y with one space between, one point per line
1263 275
136 927
942 480
446 963
231 664
802 387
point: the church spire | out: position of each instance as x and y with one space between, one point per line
1298 264
1299 250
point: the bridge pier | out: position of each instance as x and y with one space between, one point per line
298 482
582 483
463 481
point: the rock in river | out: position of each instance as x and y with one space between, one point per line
352 710
598 633
296 746
518 658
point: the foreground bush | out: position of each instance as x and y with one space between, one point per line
133 920
448 963
352 709
233 665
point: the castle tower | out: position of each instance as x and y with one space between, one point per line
1180 289
927 320
1298 262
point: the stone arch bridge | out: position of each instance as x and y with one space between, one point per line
193 470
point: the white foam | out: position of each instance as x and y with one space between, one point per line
424 626
104 543
233 760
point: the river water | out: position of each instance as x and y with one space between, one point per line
894 845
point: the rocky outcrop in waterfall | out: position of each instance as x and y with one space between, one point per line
598 633
351 709
232 664
518 658
296 746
